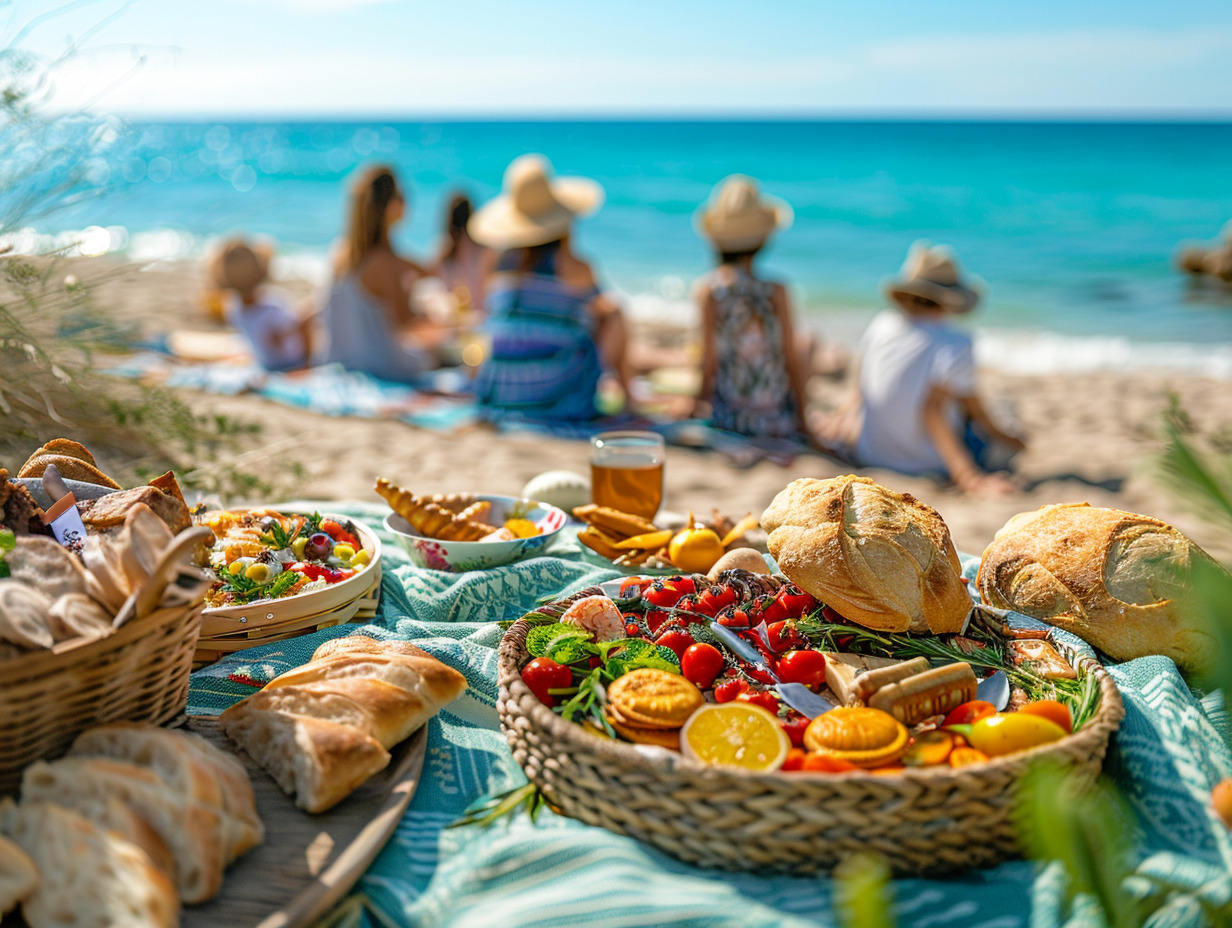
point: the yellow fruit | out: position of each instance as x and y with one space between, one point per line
361 558
257 573
695 549
735 734
523 528
1010 732
651 541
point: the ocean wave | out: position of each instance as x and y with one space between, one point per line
1029 352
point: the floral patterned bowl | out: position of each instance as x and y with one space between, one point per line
458 556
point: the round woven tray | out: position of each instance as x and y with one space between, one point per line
137 673
925 821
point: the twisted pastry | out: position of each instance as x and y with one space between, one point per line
430 519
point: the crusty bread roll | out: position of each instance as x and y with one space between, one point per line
879 558
46 565
77 615
318 762
90 878
190 766
365 644
1120 581
23 615
18 875
192 830
434 682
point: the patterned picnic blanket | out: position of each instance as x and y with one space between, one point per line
1171 750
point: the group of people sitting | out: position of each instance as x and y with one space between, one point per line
551 333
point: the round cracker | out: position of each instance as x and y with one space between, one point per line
655 698
659 737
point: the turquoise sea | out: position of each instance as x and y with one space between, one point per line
1072 226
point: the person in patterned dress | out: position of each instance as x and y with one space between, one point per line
753 374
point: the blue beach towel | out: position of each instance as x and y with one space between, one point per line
1173 747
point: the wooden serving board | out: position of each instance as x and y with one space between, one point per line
307 863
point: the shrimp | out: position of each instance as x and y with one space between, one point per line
597 615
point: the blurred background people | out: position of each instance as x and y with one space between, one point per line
463 265
920 407
280 338
368 318
552 331
754 374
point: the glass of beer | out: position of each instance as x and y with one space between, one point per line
626 471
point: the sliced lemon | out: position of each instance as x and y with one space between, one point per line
735 734
522 528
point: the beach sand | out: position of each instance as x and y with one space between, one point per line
1091 437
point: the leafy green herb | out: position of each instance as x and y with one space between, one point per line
278 537
8 541
863 892
283 582
589 701
542 639
488 812
314 523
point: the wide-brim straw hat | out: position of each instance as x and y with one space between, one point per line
739 217
228 273
534 208
932 273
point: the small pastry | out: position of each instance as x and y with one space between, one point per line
429 519
859 735
654 698
934 692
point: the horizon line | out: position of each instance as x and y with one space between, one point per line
1113 116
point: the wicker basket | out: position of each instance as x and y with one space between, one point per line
925 821
137 673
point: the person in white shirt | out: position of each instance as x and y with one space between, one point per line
916 382
279 338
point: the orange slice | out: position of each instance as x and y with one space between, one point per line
735 734
522 528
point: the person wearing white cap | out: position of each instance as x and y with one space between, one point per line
552 331
916 380
753 376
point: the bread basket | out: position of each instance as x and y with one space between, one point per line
922 821
137 673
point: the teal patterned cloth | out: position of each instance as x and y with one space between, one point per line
1173 747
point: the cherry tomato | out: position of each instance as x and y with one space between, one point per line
716 597
970 712
795 725
807 667
771 610
1008 732
662 595
733 617
685 585
632 630
767 701
676 640
795 759
654 619
634 586
783 637
730 689
830 615
595 662
335 531
543 674
761 676
1051 710
795 602
700 664
824 763
693 611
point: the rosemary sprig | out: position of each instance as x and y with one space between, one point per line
503 805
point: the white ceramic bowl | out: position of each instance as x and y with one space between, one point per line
458 556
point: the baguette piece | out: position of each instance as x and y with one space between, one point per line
366 644
388 713
879 558
18 875
1121 581
192 830
91 878
319 763
189 765
426 677
23 615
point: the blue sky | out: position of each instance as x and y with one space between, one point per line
392 57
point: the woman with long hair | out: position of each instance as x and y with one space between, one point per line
463 265
368 319
553 332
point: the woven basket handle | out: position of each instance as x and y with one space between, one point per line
145 599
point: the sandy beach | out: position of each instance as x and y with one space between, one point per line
1091 436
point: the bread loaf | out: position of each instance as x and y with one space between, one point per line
880 558
90 878
320 730
320 763
189 765
1120 581
192 830
18 875
23 615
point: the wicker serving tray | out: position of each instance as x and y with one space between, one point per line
923 821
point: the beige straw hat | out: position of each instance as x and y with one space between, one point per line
931 272
739 217
241 265
535 208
